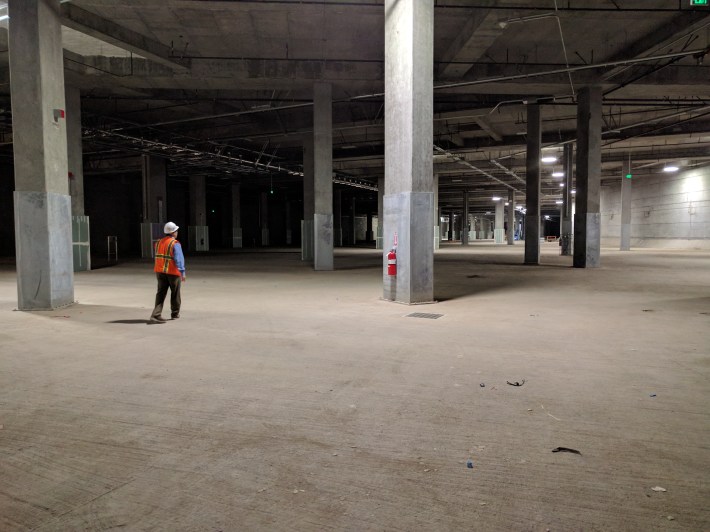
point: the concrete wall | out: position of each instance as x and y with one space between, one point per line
667 211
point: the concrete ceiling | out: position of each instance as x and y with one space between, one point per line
234 79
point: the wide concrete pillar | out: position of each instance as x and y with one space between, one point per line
81 248
464 220
566 211
625 244
532 186
409 194
308 201
43 211
237 237
587 231
198 232
499 230
323 176
511 217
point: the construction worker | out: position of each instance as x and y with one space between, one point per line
170 271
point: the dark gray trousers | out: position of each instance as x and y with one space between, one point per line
166 281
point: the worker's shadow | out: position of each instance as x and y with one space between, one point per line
137 322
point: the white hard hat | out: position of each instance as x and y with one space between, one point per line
170 227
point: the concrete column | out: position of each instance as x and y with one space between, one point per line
587 235
264 217
75 162
289 227
511 217
80 223
154 189
154 207
532 186
437 214
337 218
566 211
464 220
499 231
237 241
625 244
323 176
308 201
368 229
43 207
380 211
353 230
198 232
409 194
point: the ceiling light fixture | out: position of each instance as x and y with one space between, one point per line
670 168
558 174
573 191
4 17
562 184
559 202
549 159
495 198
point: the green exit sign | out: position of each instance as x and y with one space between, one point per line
698 2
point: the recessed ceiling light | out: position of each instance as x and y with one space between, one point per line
562 184
495 198
559 202
573 191
549 159
558 174
506 204
670 168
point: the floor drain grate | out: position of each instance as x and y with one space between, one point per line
424 315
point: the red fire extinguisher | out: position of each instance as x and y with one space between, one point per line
392 262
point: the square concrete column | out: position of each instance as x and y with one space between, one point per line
323 176
625 244
587 231
437 216
264 218
43 211
154 202
464 220
81 245
236 223
511 218
532 186
337 218
198 232
308 201
409 194
499 230
566 211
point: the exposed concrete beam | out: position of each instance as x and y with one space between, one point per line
484 125
105 30
669 33
464 39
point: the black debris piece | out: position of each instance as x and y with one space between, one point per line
565 450
516 383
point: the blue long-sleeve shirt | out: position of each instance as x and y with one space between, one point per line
178 257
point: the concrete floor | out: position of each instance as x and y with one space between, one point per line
287 399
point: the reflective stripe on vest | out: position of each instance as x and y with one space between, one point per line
164 261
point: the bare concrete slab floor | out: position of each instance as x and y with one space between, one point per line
288 399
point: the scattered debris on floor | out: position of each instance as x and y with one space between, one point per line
652 395
482 385
565 450
647 310
474 276
670 518
516 383
469 463
658 488
61 316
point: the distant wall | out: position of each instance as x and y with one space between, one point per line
667 211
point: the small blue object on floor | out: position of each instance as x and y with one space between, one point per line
469 463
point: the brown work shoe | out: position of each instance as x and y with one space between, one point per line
158 319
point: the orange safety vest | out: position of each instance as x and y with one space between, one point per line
164 262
